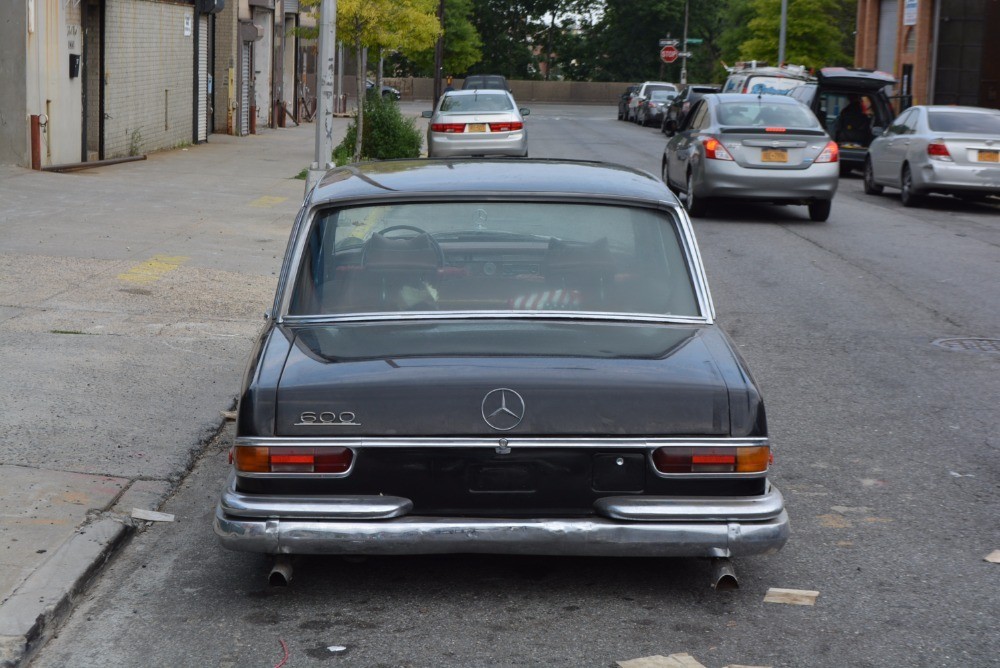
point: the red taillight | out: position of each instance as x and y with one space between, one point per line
451 128
830 153
775 129
293 460
938 151
751 459
509 126
714 150
685 107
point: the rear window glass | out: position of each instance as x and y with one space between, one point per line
662 95
755 112
480 102
771 85
985 123
654 87
508 257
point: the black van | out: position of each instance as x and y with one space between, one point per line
853 106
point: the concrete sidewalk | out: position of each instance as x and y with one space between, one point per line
129 297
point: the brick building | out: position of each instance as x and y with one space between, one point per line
941 51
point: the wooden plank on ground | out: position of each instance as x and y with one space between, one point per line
791 596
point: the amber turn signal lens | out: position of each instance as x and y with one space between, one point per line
753 459
252 460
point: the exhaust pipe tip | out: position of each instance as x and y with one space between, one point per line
723 575
281 573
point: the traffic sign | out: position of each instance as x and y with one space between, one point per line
670 42
669 53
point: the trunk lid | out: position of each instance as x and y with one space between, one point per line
452 378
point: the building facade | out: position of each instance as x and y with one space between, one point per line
940 51
90 80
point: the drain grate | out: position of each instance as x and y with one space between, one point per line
974 345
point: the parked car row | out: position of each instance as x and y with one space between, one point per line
715 153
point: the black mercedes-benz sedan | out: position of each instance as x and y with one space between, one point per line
497 356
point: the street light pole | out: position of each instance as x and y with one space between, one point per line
684 58
781 32
324 96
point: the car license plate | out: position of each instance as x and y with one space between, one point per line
989 156
476 127
774 155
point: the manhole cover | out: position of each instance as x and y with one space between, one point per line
974 345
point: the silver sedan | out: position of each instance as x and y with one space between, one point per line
476 123
937 149
753 147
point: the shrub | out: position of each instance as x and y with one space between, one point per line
386 134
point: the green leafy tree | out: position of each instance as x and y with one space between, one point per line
379 25
463 47
387 134
813 37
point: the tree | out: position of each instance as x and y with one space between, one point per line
463 47
813 37
405 25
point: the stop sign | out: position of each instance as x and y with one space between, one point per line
669 53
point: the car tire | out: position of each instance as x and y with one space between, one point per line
845 170
819 210
695 206
619 113
871 188
907 196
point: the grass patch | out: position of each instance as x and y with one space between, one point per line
301 176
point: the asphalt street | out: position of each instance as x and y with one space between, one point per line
885 440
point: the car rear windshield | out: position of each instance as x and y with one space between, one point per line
759 111
508 257
763 85
479 102
655 87
662 95
971 122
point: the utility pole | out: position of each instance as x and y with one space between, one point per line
781 32
324 96
684 58
439 54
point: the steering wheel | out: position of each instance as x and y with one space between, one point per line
417 232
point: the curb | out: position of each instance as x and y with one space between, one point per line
35 609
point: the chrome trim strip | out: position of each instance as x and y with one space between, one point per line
361 442
543 536
596 316
714 509
356 507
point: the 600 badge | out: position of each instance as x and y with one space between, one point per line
327 419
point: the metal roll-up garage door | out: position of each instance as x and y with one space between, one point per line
245 88
203 92
888 29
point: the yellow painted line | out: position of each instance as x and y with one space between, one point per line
267 201
361 228
152 269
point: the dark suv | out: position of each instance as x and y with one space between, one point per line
681 105
853 106
485 81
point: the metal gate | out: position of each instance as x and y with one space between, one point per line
245 69
203 91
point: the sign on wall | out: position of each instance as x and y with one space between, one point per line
910 8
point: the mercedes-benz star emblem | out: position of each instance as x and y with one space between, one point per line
503 409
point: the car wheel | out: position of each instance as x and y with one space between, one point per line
871 188
819 210
619 113
907 196
845 170
696 206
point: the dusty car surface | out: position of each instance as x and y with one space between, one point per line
497 356
767 148
476 123
949 150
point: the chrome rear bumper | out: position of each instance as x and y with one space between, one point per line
623 526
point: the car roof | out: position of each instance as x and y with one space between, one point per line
466 92
425 179
746 97
959 109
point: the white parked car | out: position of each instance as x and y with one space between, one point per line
476 123
937 149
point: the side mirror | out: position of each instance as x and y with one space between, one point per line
525 111
426 114
878 131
